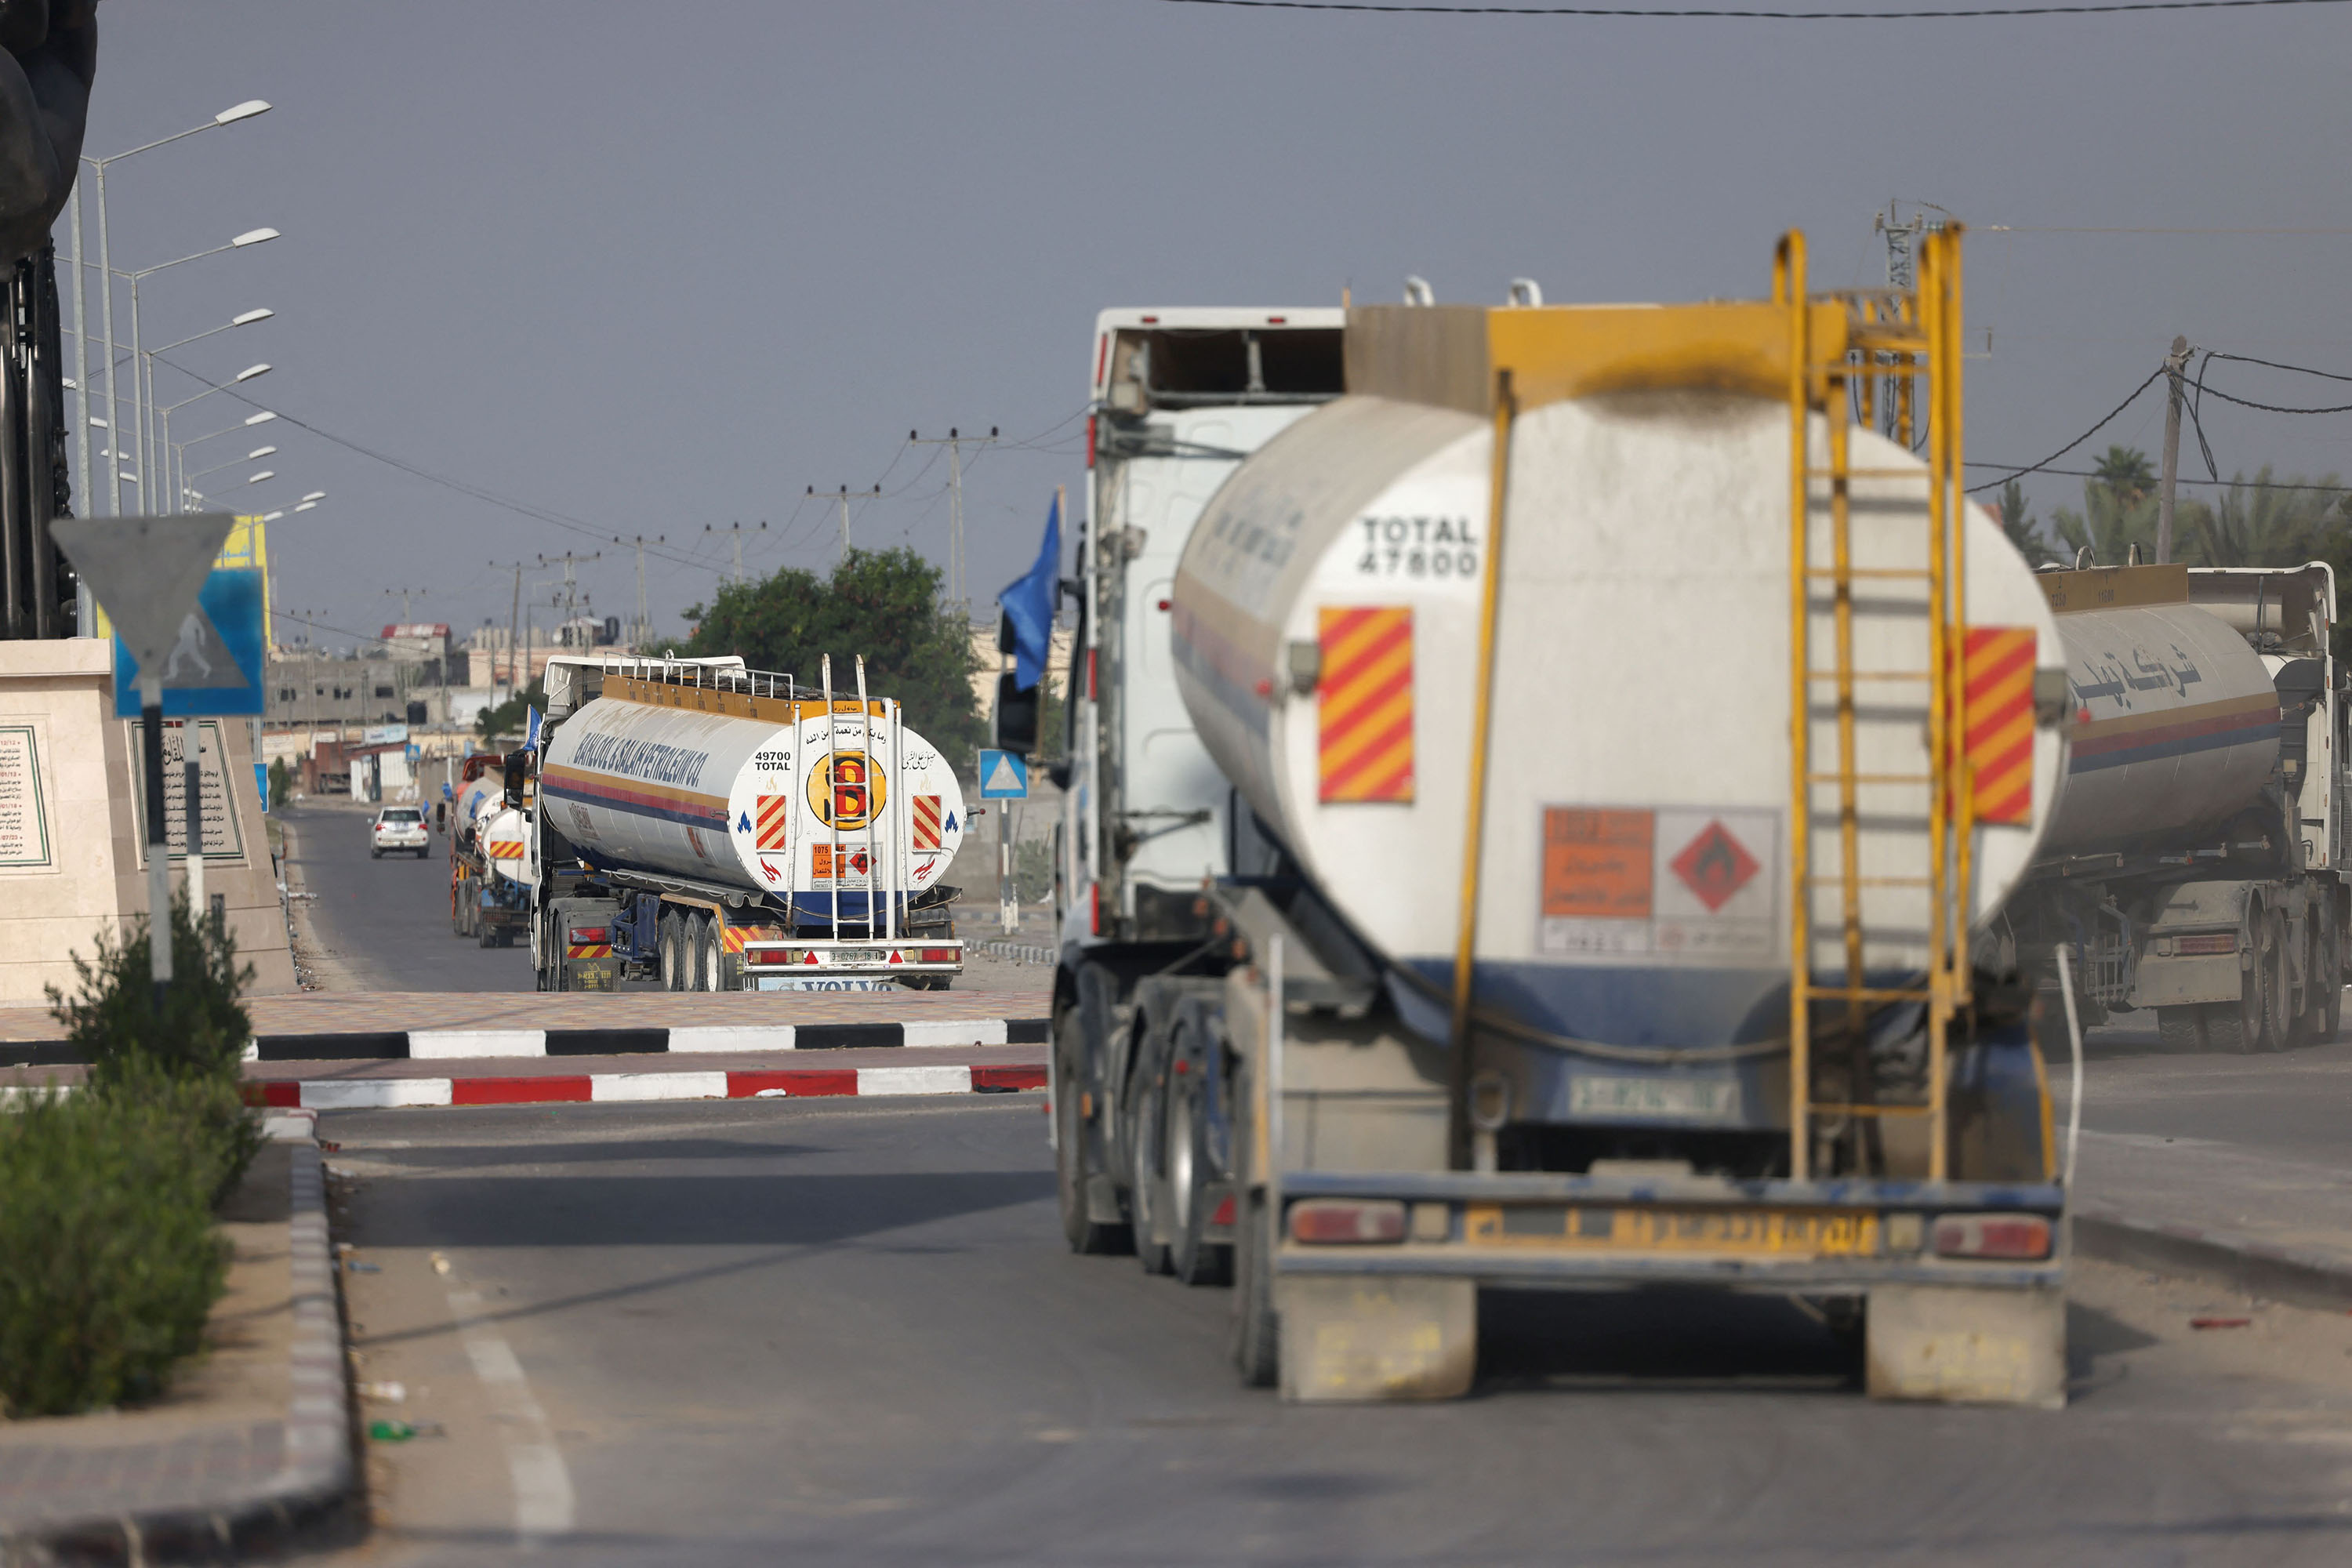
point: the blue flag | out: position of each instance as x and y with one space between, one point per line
1030 602
530 741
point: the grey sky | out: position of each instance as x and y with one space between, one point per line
659 266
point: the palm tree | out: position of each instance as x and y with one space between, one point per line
2125 472
2109 524
2025 532
2268 524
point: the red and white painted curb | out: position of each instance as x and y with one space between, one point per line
614 1087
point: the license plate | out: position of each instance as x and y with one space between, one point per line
1797 1233
1680 1098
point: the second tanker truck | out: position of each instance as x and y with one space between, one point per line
1625 769
719 828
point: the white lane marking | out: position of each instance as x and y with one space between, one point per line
542 1486
373 1093
450 1044
958 1032
914 1081
603 1087
688 1038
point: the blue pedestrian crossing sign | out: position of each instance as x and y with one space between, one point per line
214 666
1003 776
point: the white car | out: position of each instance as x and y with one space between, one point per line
399 827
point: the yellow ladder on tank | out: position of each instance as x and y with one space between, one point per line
1890 343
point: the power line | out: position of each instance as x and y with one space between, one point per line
525 509
1677 15
2274 365
2044 464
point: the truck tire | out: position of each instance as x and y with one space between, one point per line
2283 998
2327 1018
1256 1339
1145 1188
669 949
709 948
1192 1257
1073 1157
486 935
2182 1029
2243 1026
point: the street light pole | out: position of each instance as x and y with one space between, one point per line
229 116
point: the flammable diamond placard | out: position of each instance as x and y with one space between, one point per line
1696 885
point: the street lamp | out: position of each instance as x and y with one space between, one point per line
163 415
229 116
143 388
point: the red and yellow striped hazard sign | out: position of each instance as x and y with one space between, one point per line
1365 699
504 848
1997 670
774 818
926 821
588 950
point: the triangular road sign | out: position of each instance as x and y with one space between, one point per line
1002 777
146 570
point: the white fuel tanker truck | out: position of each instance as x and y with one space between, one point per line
1633 783
721 828
2194 863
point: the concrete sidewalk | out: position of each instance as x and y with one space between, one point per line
2239 1167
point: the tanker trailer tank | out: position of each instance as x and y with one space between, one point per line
786 825
1638 752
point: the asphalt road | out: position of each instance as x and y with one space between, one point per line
850 1332
383 925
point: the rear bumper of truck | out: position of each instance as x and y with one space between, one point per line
811 963
1614 1233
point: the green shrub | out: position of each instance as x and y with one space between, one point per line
109 1260
202 1031
282 782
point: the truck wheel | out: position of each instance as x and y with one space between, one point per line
1148 1196
2328 1016
486 936
669 949
1195 1259
709 948
2240 1027
1257 1330
1073 1162
2284 1016
2182 1029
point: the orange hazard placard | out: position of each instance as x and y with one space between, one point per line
926 821
1998 669
1364 702
1597 865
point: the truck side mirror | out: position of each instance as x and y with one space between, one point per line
517 763
1013 727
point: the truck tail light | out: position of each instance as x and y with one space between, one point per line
591 934
1090 441
1094 907
1326 1221
2225 942
935 955
2006 1236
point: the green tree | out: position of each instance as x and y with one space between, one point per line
2118 510
2266 524
882 604
2025 532
509 718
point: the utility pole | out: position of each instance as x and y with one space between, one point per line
736 533
958 590
571 598
403 594
514 626
642 632
2173 364
1902 275
842 495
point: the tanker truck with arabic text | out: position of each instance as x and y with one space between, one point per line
1498 949
718 828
